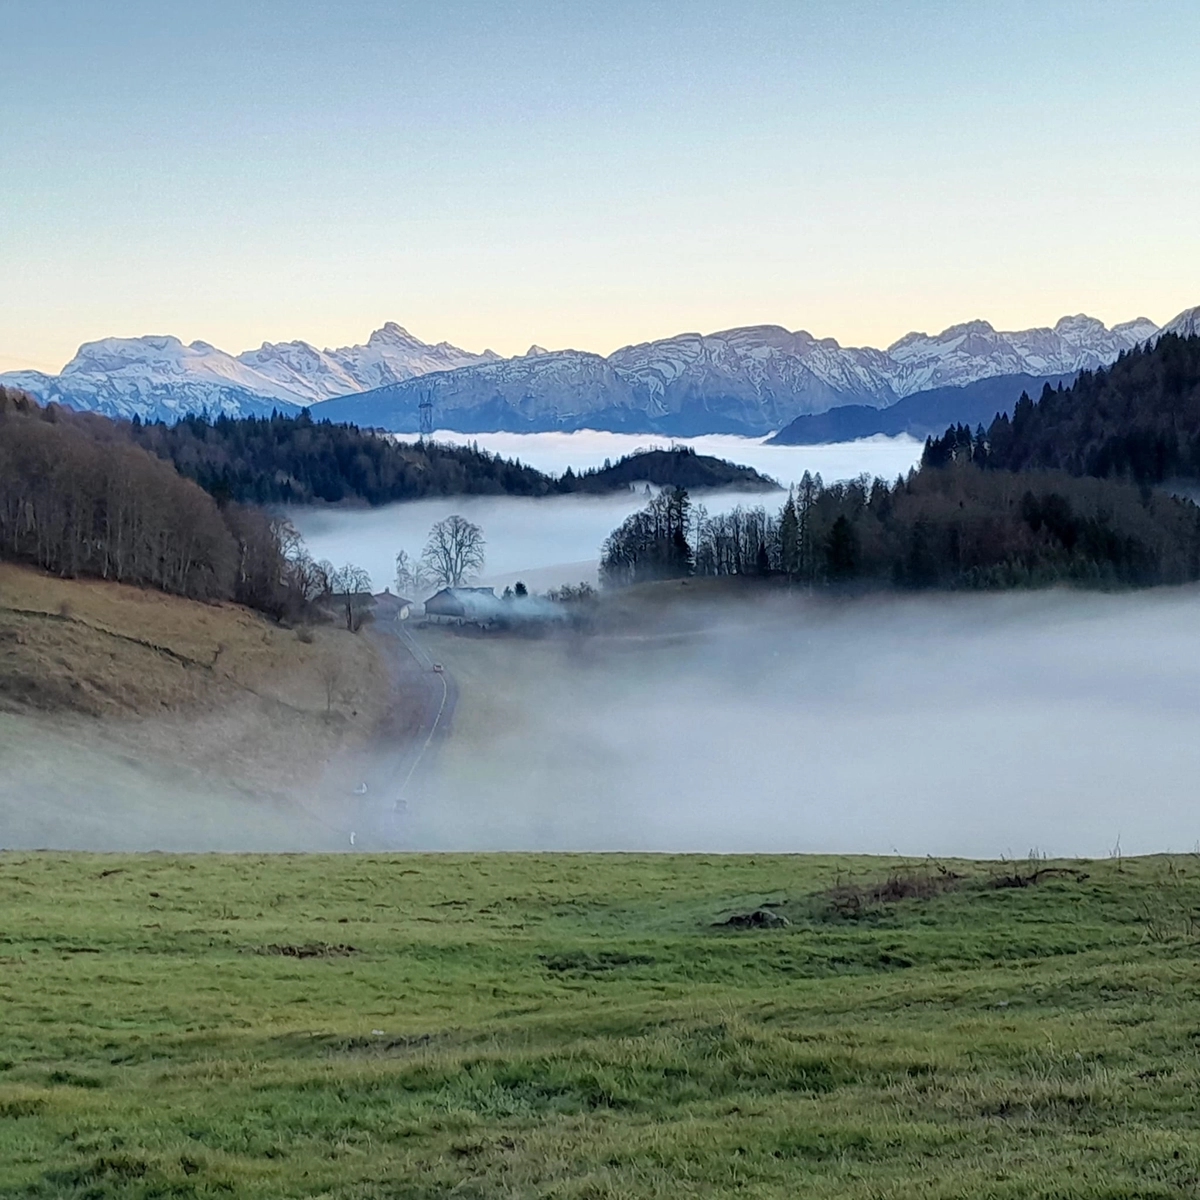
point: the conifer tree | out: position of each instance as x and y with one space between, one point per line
789 537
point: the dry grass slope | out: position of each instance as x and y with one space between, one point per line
101 680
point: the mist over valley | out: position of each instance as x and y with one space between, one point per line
550 541
976 726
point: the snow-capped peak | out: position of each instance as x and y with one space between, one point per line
392 354
976 350
309 373
132 364
749 379
1186 324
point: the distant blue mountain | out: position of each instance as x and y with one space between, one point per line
921 415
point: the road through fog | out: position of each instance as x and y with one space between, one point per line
967 725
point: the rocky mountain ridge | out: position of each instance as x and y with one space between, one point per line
750 380
161 378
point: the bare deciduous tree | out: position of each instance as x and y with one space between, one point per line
411 577
352 586
454 553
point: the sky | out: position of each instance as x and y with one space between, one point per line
588 174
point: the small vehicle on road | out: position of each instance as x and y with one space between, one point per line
439 668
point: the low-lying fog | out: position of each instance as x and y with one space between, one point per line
949 725
555 452
557 539
955 725
968 725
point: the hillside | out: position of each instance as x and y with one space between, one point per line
79 498
597 1026
296 460
679 466
128 684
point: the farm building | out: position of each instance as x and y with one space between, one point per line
481 606
478 605
388 606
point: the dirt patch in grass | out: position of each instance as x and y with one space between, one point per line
598 962
758 918
310 950
850 901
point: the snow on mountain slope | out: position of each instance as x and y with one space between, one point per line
126 365
964 353
764 361
160 378
547 389
748 380
738 381
1187 324
308 373
156 378
392 355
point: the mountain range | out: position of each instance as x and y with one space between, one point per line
752 380
160 378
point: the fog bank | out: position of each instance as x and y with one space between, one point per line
555 452
556 539
981 726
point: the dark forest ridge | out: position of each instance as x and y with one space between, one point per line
1009 507
296 460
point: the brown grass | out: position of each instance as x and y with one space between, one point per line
214 687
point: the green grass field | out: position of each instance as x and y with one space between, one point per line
576 1026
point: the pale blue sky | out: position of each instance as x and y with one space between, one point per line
589 174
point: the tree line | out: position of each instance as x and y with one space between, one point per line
1138 419
296 460
78 498
949 526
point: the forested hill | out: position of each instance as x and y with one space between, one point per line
680 466
1138 419
294 460
77 498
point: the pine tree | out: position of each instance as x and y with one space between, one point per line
789 538
842 551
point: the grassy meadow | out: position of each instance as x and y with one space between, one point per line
586 1026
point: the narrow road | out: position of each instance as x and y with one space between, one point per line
404 751
438 721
